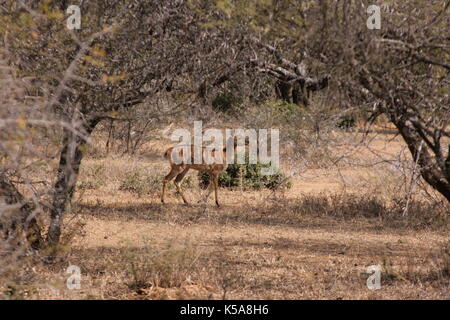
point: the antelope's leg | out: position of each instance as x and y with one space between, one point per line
210 187
216 187
177 182
173 172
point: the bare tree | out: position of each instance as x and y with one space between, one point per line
403 70
124 55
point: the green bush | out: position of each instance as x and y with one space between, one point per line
346 122
284 112
226 101
249 175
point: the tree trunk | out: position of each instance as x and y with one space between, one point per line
283 91
429 169
21 219
299 92
447 165
67 176
110 136
300 96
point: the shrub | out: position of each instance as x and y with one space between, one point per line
282 113
225 101
168 268
346 122
248 176
390 212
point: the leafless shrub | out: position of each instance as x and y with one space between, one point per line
168 268
421 214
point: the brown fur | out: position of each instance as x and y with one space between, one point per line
179 171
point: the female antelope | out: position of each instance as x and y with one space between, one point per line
179 169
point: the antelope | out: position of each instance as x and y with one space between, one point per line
179 171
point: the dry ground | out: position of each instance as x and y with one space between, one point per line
258 245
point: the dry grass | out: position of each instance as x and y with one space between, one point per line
314 241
